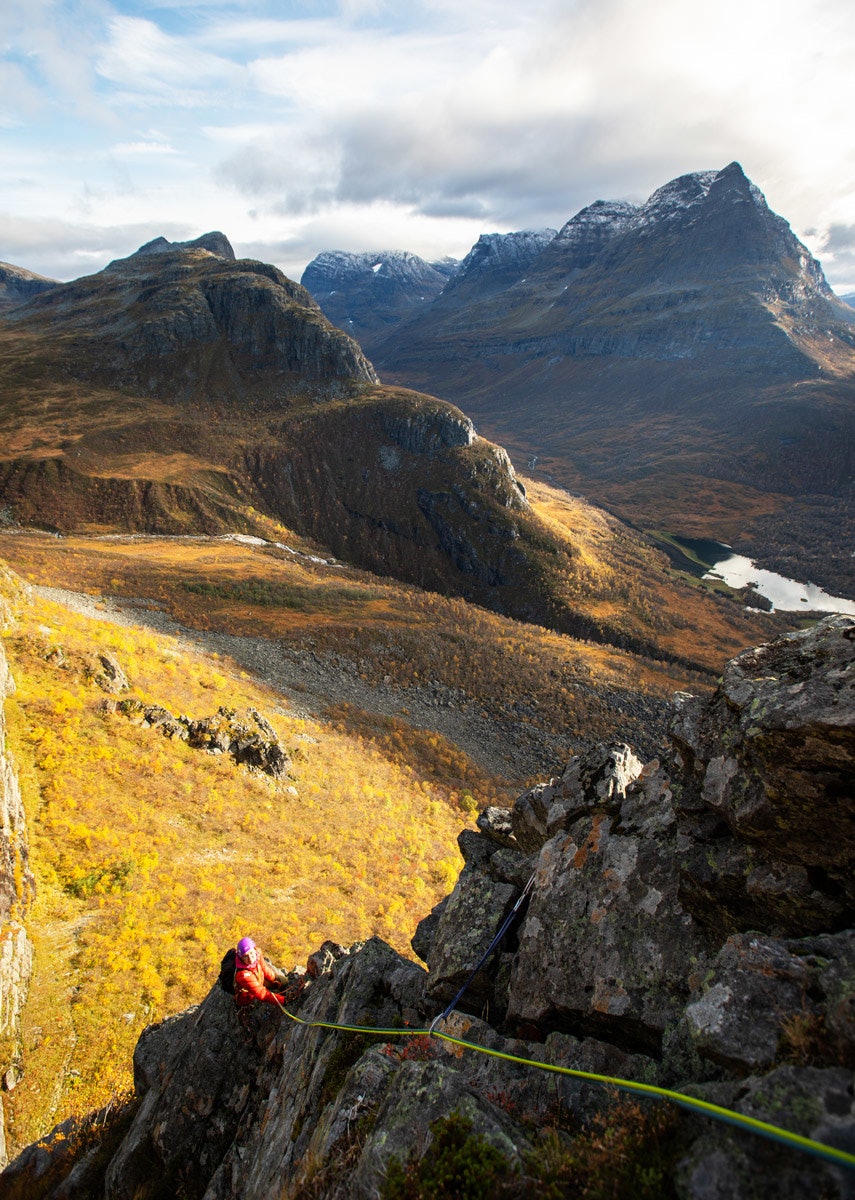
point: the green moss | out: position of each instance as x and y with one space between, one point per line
348 1050
460 1165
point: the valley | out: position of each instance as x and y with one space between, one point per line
229 543
681 362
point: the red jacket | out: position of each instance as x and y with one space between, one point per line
249 984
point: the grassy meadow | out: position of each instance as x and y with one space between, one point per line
151 858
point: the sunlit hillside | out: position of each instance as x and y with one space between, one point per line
151 857
404 713
385 635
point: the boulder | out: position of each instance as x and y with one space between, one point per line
469 921
422 939
766 787
496 824
725 1163
605 947
594 781
765 999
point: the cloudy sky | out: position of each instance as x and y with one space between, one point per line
303 125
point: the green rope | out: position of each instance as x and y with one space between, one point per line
839 1158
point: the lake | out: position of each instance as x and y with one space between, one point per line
785 594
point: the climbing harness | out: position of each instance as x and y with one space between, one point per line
795 1141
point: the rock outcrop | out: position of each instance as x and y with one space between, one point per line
613 966
247 737
17 890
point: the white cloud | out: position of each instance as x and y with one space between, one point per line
154 68
360 118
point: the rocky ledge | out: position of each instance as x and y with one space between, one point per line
688 925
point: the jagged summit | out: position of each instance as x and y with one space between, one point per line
676 360
215 243
585 235
367 294
496 261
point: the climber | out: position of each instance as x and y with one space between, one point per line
252 974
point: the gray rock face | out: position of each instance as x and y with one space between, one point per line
198 1076
429 431
767 799
475 910
764 999
723 1164
606 946
17 890
596 780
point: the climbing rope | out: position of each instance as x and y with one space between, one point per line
503 929
838 1158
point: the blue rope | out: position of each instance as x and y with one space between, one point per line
502 931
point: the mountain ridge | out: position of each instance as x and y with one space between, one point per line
674 937
694 329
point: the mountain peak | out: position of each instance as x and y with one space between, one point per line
215 243
17 285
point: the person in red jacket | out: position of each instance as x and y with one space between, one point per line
252 975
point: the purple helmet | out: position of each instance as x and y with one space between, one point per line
246 949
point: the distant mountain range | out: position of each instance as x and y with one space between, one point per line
182 391
369 295
682 361
18 285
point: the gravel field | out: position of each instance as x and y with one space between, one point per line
309 683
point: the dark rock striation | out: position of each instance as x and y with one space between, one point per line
613 966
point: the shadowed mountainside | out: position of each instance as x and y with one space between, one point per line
179 391
683 362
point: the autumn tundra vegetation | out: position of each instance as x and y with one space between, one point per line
151 858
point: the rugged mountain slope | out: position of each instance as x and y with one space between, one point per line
367 294
677 933
495 262
17 285
179 391
657 354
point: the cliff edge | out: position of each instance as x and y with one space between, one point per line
689 925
